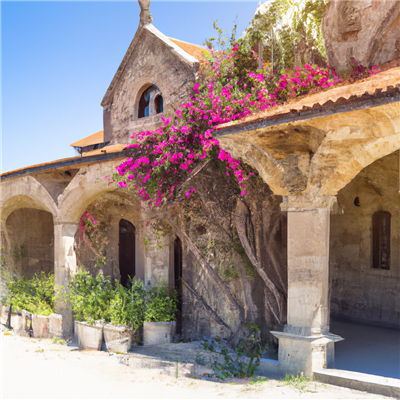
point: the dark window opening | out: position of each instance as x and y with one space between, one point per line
144 103
357 202
159 104
381 240
178 283
151 102
126 251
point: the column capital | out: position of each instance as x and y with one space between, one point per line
309 202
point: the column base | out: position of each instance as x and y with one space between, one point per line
301 355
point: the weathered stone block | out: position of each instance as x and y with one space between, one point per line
18 322
4 314
89 336
55 325
158 332
118 338
40 326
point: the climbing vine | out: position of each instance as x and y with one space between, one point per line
163 161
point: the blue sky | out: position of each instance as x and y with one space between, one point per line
58 59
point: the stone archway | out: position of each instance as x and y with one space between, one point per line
365 293
30 242
27 223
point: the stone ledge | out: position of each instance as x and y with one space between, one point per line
359 381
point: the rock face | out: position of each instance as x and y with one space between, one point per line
369 31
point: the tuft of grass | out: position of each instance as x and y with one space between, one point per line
298 383
57 340
257 380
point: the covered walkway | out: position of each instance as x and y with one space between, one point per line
367 349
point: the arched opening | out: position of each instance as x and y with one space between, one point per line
30 242
159 104
144 104
178 283
365 271
127 265
151 102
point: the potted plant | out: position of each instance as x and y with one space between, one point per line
90 299
33 302
127 310
159 326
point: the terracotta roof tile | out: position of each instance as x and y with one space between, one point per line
193 49
374 85
109 149
96 138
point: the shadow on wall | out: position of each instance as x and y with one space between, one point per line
30 241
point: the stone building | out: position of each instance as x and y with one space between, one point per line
320 239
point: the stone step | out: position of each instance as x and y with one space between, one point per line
359 381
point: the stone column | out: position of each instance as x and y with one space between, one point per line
306 344
64 268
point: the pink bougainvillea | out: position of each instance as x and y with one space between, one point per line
162 160
82 222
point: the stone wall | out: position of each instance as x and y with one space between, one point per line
367 30
152 253
153 62
360 292
29 241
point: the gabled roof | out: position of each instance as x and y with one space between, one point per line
193 49
180 51
96 138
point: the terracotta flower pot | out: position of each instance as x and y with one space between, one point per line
118 337
158 332
89 336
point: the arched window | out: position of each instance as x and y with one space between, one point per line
127 267
144 104
151 102
178 283
381 240
159 104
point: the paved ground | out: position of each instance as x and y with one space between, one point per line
367 349
40 369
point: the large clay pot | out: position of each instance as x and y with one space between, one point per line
21 322
89 336
40 326
4 314
158 332
18 322
55 325
118 337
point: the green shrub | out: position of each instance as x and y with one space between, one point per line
90 297
127 306
35 295
93 299
160 307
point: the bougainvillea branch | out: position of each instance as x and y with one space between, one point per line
82 222
163 160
